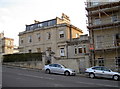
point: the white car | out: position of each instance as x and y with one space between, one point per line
59 69
101 71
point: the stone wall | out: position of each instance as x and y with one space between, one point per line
28 64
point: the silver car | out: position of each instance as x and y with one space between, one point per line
59 69
101 71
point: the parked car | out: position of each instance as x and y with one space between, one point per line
101 71
59 69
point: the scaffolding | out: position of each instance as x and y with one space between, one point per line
100 11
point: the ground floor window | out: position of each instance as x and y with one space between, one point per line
117 61
100 61
62 52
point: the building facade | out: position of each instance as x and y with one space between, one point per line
48 35
104 30
6 44
78 49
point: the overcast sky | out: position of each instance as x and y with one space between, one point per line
15 14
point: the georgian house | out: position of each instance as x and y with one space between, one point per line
50 35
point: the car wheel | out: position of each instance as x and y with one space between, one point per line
47 71
67 73
116 77
91 75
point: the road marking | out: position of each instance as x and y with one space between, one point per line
36 76
97 84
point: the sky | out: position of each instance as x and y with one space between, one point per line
15 14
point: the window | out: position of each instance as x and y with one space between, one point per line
50 23
75 50
21 40
29 50
38 36
31 27
38 49
80 49
118 39
117 61
97 21
29 39
77 35
48 35
40 25
95 3
97 68
61 33
62 52
114 18
112 0
100 61
84 50
99 41
48 48
9 42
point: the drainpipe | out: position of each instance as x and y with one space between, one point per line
70 32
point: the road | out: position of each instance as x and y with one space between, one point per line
16 77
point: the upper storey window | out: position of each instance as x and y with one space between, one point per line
97 21
114 18
61 34
95 3
41 24
29 39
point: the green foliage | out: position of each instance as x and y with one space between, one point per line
22 57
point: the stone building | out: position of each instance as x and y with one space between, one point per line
104 29
6 44
48 35
78 48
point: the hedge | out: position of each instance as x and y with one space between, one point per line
22 57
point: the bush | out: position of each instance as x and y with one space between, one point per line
22 57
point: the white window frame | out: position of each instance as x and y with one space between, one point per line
62 51
77 35
61 33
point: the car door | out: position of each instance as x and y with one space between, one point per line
53 68
98 72
60 69
107 73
